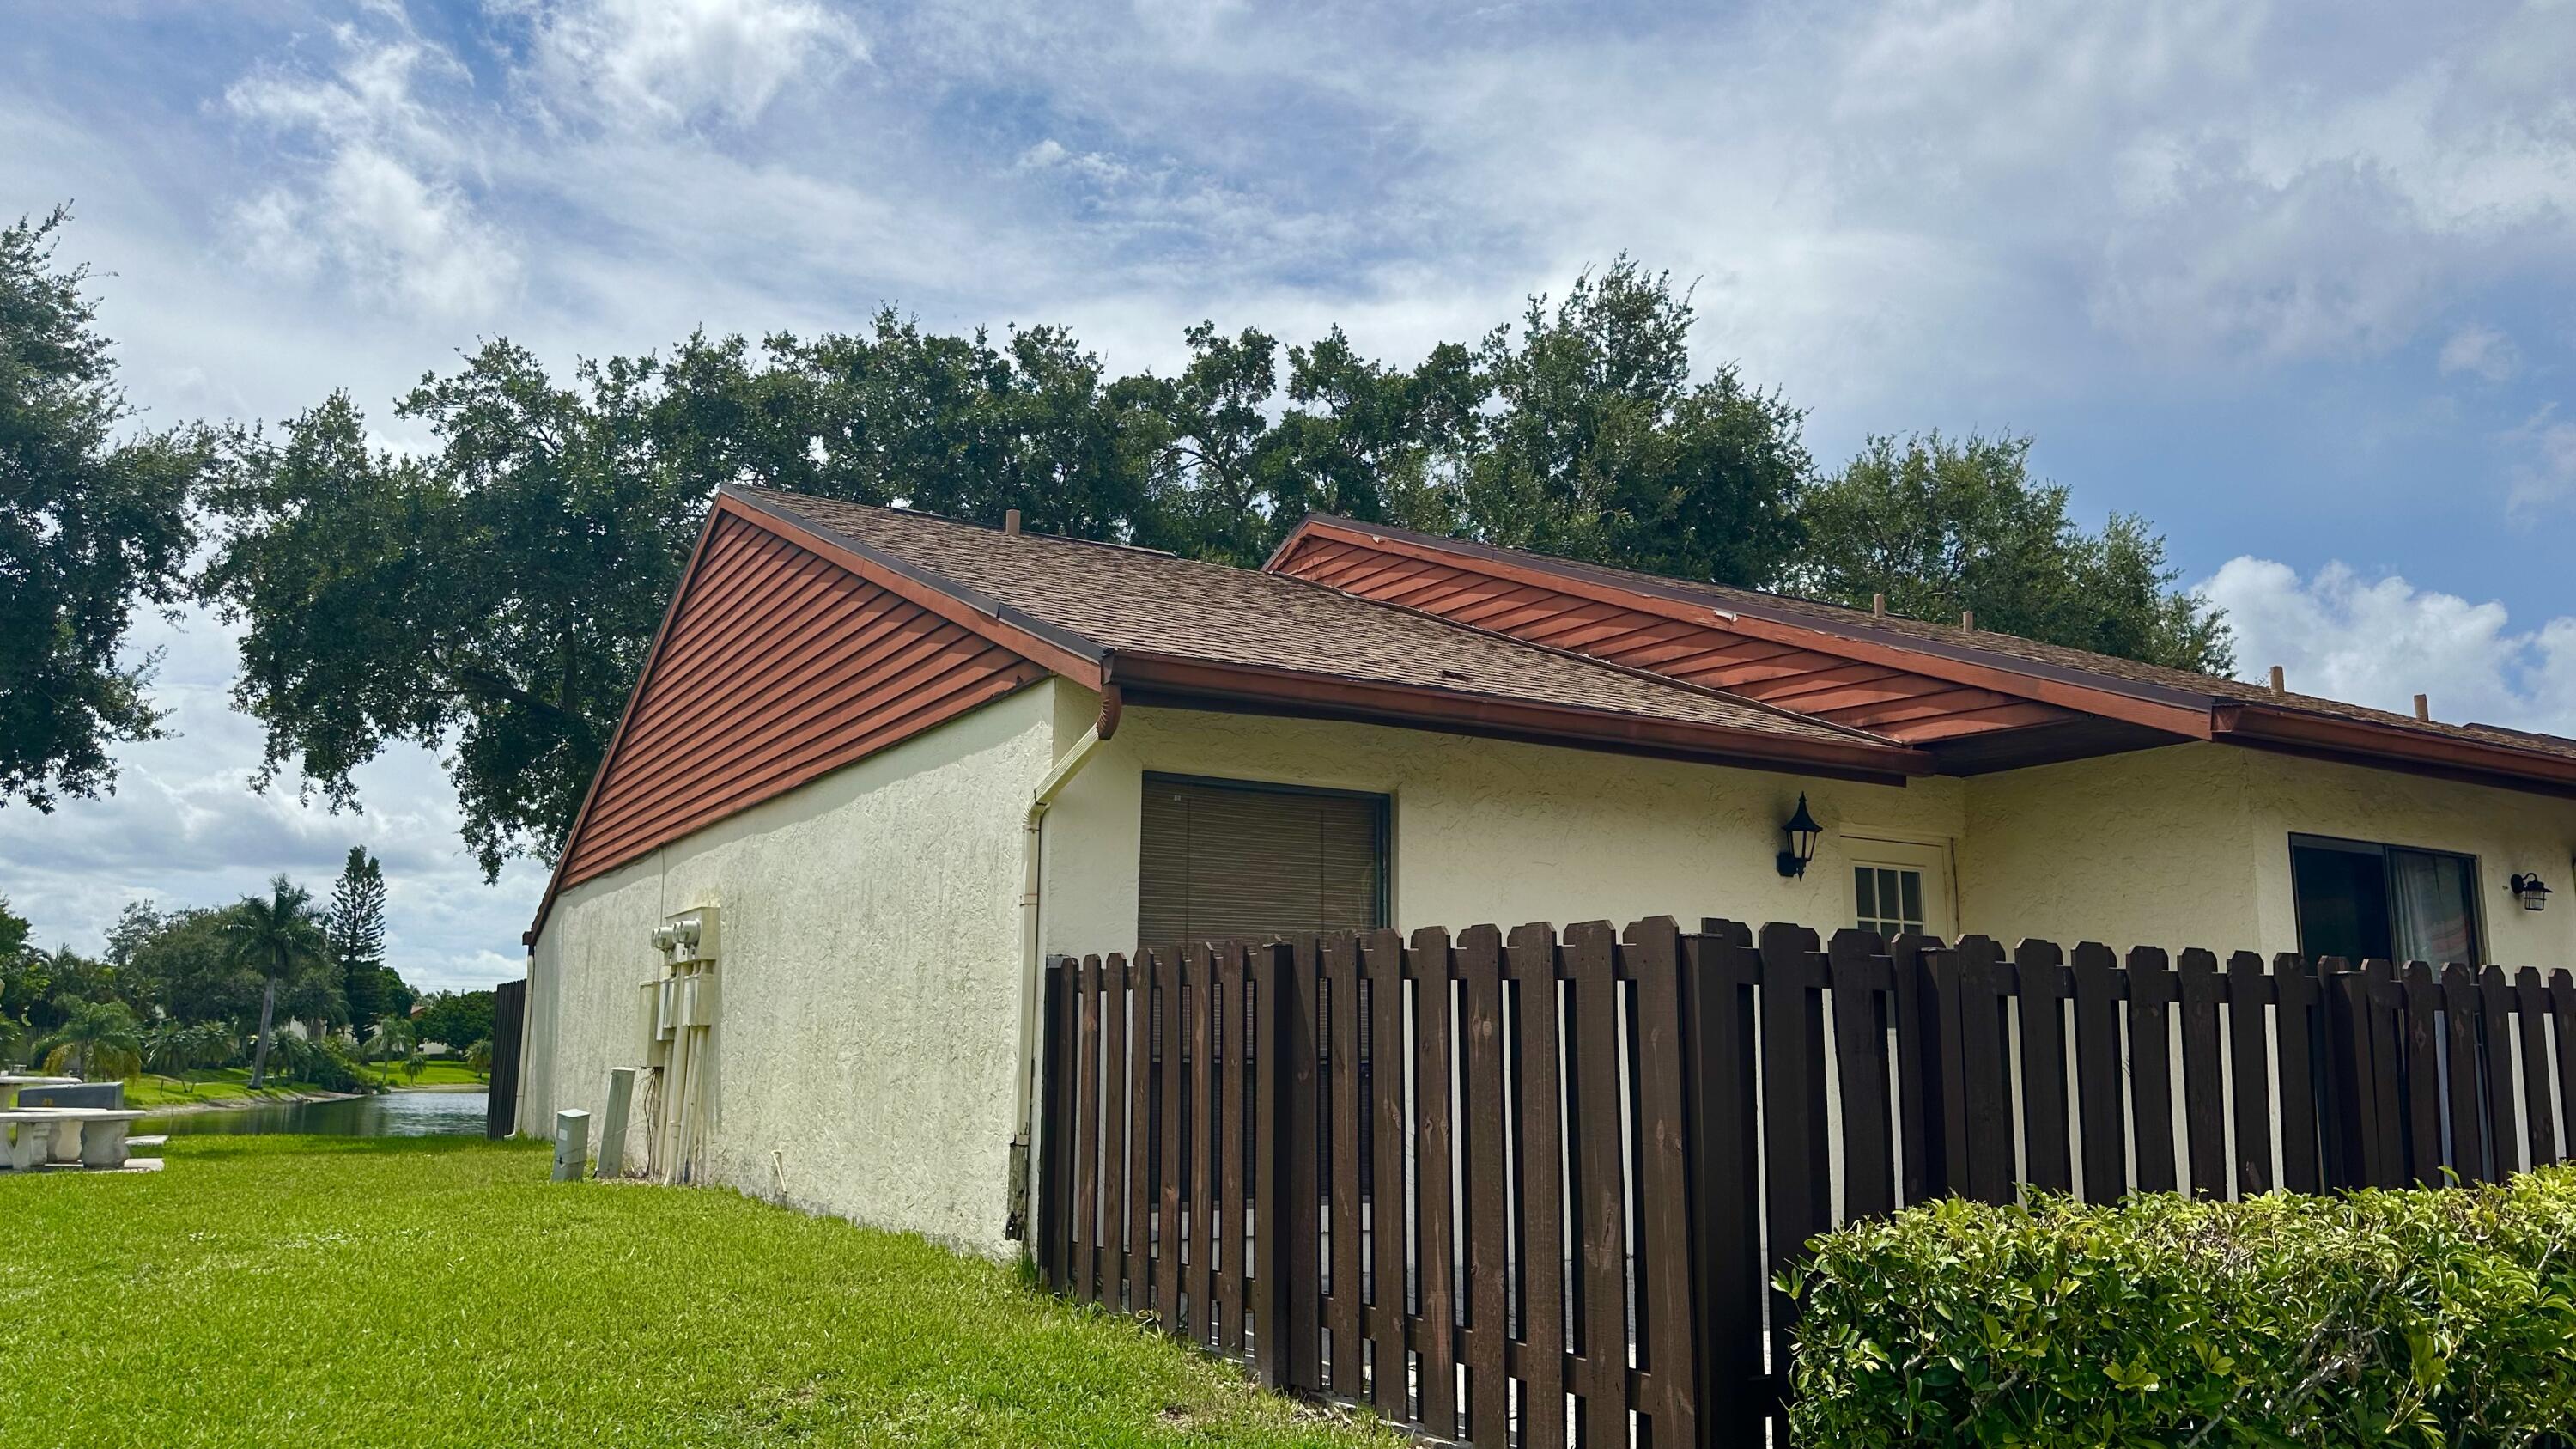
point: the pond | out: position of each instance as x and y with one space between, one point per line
393 1114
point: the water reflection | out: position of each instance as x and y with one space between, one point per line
394 1114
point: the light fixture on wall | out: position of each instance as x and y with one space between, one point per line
1802 832
2529 890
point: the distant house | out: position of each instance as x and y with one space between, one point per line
880 764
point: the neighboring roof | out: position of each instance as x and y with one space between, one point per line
1149 616
2182 702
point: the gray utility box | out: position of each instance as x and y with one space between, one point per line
81 1094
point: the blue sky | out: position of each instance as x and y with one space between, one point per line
2292 280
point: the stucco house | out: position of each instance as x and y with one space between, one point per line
879 765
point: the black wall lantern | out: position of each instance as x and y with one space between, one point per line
1802 832
2528 890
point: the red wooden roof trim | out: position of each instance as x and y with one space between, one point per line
1059 649
2445 756
1151 678
617 736
2130 700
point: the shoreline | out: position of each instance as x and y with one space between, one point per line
243 1104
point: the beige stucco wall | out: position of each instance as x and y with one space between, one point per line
1485 831
2190 845
864 1051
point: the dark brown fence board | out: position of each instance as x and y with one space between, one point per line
2504 1138
1167 1167
1136 973
1302 1185
1270 969
1117 1260
2462 1004
1055 1214
1531 965
1382 964
1653 958
1342 1306
2041 972
1719 969
1198 1211
1435 1223
2425 1120
2296 1019
1086 1190
1918 1076
2562 1006
1234 1095
2153 990
2204 1091
2249 1059
1486 1183
2531 1021
2098 1072
1796 1168
1985 1072
1862 978
1599 1205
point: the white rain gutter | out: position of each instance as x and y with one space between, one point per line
1032 845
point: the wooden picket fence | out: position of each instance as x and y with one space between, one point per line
1533 1189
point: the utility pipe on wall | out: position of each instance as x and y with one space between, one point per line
1032 842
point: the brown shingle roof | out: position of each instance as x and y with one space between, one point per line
1140 601
1983 646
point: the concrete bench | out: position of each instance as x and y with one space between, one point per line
92 1136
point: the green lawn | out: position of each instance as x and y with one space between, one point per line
312 1291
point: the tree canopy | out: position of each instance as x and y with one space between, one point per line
90 527
1940 526
491 595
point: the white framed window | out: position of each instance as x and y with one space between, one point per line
1900 886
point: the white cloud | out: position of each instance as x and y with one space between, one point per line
2543 471
2480 351
378 191
2383 641
667 61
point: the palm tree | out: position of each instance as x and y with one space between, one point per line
478 1057
279 936
97 1039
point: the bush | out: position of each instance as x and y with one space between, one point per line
2415 1318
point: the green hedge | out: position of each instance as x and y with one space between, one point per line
2414 1318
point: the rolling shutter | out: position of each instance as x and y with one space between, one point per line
1223 860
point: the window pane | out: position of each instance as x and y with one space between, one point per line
1913 880
1865 887
2434 906
2342 898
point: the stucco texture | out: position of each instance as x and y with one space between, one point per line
1485 831
2190 846
864 1049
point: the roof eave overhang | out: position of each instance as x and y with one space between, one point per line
2386 747
1153 679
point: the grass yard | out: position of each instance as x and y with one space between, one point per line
327 1291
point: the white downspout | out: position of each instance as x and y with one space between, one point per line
1032 842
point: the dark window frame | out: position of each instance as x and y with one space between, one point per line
1382 834
2380 849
